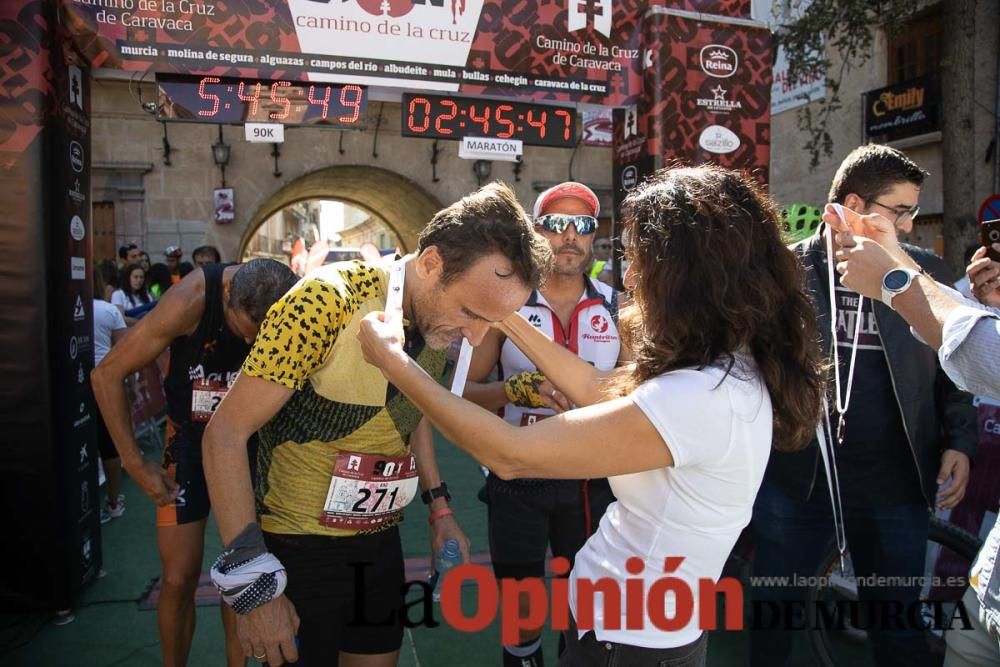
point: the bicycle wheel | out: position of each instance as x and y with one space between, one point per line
947 535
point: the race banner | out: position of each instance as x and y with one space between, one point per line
49 449
708 80
566 50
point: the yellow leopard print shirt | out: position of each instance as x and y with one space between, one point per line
308 342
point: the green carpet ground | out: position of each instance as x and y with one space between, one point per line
109 629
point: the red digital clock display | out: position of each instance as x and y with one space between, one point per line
216 99
446 117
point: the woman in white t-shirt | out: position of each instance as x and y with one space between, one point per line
727 367
133 292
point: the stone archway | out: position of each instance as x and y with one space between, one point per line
404 206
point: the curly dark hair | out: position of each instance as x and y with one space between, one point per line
488 220
711 278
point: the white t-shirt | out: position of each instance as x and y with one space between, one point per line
118 298
719 436
107 318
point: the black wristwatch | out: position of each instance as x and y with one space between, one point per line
437 492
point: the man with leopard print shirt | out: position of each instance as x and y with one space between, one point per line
342 451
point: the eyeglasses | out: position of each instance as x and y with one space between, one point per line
557 223
900 211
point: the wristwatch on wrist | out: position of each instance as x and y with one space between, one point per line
437 492
896 282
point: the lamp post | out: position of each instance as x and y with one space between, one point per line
220 153
482 169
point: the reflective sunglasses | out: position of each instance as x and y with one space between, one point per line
558 222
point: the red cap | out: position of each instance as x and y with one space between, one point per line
567 189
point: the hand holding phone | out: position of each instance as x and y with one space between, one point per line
989 233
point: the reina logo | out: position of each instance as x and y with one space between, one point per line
718 61
599 323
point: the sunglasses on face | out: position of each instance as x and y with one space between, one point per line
557 223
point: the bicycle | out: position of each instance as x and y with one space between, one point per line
839 586
944 534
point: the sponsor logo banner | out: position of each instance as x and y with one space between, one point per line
711 98
581 50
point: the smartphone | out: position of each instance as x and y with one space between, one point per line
989 233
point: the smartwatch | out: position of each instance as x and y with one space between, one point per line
896 282
437 492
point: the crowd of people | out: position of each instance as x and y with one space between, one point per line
812 392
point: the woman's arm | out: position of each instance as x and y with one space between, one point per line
614 438
582 383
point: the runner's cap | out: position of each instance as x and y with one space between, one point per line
173 251
567 189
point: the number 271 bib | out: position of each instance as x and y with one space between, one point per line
366 490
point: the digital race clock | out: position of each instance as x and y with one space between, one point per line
448 117
216 99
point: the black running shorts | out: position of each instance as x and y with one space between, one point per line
347 592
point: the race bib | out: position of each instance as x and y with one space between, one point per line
205 398
529 418
366 490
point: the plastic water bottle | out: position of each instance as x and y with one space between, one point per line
446 558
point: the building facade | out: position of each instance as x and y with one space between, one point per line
901 80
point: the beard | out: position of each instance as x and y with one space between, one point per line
435 337
571 265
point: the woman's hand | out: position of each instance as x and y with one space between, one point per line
381 336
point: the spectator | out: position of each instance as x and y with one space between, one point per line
967 338
172 258
128 254
109 327
905 437
133 292
206 254
158 280
184 268
144 261
109 275
602 255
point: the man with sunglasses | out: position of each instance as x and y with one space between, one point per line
527 516
901 449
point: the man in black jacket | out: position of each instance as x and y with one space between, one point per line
902 447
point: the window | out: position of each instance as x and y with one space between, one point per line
915 51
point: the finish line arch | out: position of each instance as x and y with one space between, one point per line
404 206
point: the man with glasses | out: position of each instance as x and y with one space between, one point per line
527 516
901 448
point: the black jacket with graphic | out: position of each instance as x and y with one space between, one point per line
936 414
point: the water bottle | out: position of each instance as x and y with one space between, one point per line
446 558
